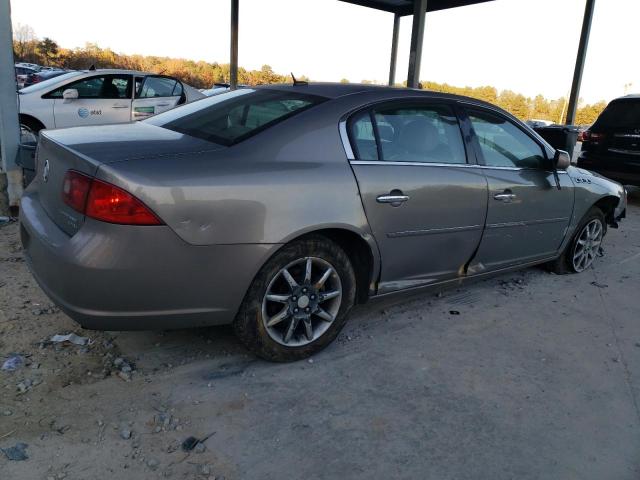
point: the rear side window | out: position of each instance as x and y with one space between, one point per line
422 134
232 117
623 114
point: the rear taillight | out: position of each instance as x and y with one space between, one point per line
103 201
589 136
75 189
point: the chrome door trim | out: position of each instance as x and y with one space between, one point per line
527 223
433 231
417 164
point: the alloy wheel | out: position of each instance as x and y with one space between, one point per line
588 245
301 301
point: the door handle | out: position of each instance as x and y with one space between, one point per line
507 196
120 106
163 104
395 198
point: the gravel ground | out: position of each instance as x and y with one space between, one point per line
525 376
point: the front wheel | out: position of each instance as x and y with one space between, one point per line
584 246
298 302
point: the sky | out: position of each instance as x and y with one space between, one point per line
528 46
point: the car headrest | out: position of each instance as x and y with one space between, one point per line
419 136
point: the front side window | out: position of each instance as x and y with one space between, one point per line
159 87
423 134
102 86
232 117
503 144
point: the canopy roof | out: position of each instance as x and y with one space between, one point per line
405 7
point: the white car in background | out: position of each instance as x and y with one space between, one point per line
99 97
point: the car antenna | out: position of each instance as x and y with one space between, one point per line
297 82
92 67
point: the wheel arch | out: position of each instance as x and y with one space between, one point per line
361 249
608 206
25 117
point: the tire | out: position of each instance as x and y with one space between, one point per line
254 324
565 262
29 129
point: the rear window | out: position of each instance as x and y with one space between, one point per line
620 114
232 117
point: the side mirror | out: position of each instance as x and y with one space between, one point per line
70 94
561 160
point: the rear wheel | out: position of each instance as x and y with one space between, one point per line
298 302
585 245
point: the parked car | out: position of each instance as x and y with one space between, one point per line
278 208
99 97
611 146
43 75
22 73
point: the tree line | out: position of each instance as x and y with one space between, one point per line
28 48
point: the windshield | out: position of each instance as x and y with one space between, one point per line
231 117
623 114
50 83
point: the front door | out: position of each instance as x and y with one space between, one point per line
155 94
425 203
527 215
102 99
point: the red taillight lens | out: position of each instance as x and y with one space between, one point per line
103 201
589 136
75 189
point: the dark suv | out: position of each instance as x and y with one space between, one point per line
611 146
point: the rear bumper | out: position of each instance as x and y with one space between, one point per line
602 165
121 277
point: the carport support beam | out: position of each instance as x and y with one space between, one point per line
233 64
417 36
582 54
10 171
394 49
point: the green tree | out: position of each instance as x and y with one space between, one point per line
48 49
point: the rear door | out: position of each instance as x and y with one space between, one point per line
527 214
156 94
102 99
424 200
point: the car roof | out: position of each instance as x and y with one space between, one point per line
114 71
337 90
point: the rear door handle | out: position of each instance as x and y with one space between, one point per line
163 105
120 106
507 196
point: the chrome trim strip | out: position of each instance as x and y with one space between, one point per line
409 164
527 223
626 135
344 136
456 165
623 151
432 231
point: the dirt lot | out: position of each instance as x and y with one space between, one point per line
525 376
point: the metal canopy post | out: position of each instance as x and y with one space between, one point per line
582 54
233 64
417 35
10 172
394 49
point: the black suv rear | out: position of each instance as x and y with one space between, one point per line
611 146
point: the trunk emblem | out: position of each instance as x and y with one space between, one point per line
45 171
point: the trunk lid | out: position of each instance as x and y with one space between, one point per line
85 149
